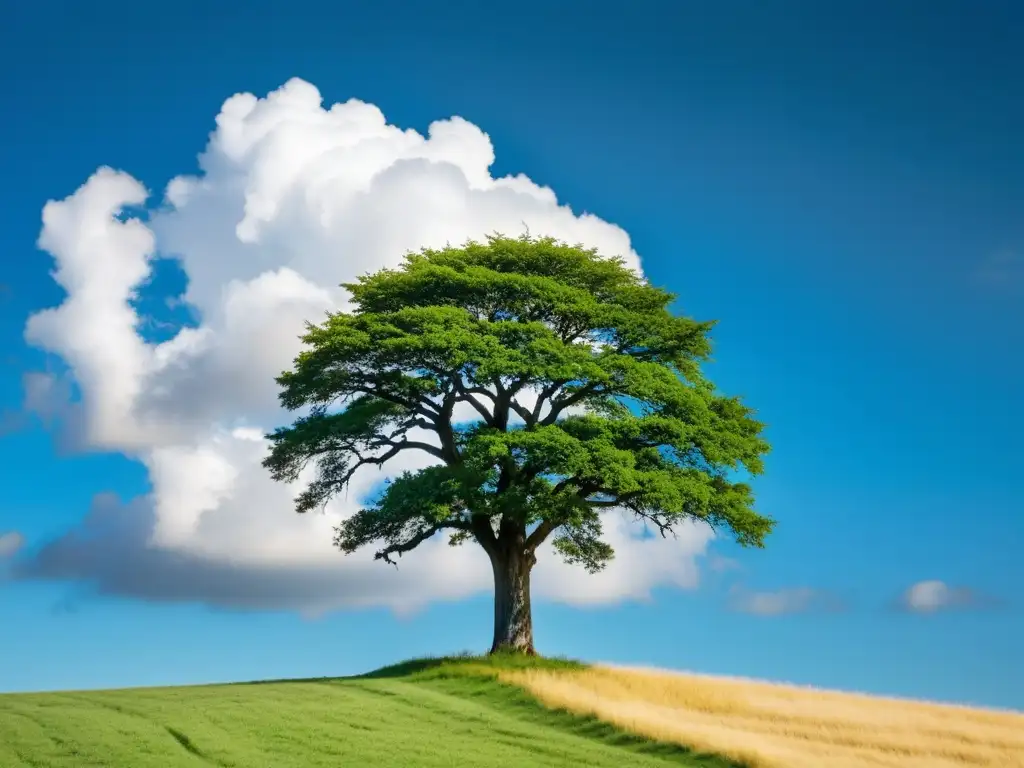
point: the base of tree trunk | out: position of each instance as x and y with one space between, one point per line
513 618
509 649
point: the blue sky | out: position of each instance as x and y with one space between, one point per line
841 185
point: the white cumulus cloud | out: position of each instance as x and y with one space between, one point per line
290 199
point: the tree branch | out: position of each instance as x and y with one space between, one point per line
480 391
416 445
419 406
663 528
466 396
400 548
525 415
502 401
480 526
346 476
545 394
540 533
616 500
563 484
449 450
557 406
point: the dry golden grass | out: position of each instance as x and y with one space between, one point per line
767 725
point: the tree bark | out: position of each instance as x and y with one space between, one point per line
513 616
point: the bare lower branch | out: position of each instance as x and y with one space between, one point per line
400 548
521 411
480 526
612 499
541 533
466 395
545 394
479 391
414 445
663 528
367 461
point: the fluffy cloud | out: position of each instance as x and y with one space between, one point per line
291 199
933 596
782 602
113 551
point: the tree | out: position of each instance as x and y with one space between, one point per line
587 394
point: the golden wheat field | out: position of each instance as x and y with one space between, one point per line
768 725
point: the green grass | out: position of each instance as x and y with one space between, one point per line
431 712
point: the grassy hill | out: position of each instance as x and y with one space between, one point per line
429 713
769 725
487 712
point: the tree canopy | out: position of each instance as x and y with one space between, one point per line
547 383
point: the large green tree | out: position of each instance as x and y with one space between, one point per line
587 394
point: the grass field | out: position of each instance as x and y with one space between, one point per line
410 716
765 725
485 712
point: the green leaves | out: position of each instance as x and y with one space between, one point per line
588 393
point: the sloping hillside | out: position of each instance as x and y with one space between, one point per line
766 725
486 712
412 715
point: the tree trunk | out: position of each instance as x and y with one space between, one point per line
513 618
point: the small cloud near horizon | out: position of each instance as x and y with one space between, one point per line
933 596
783 602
